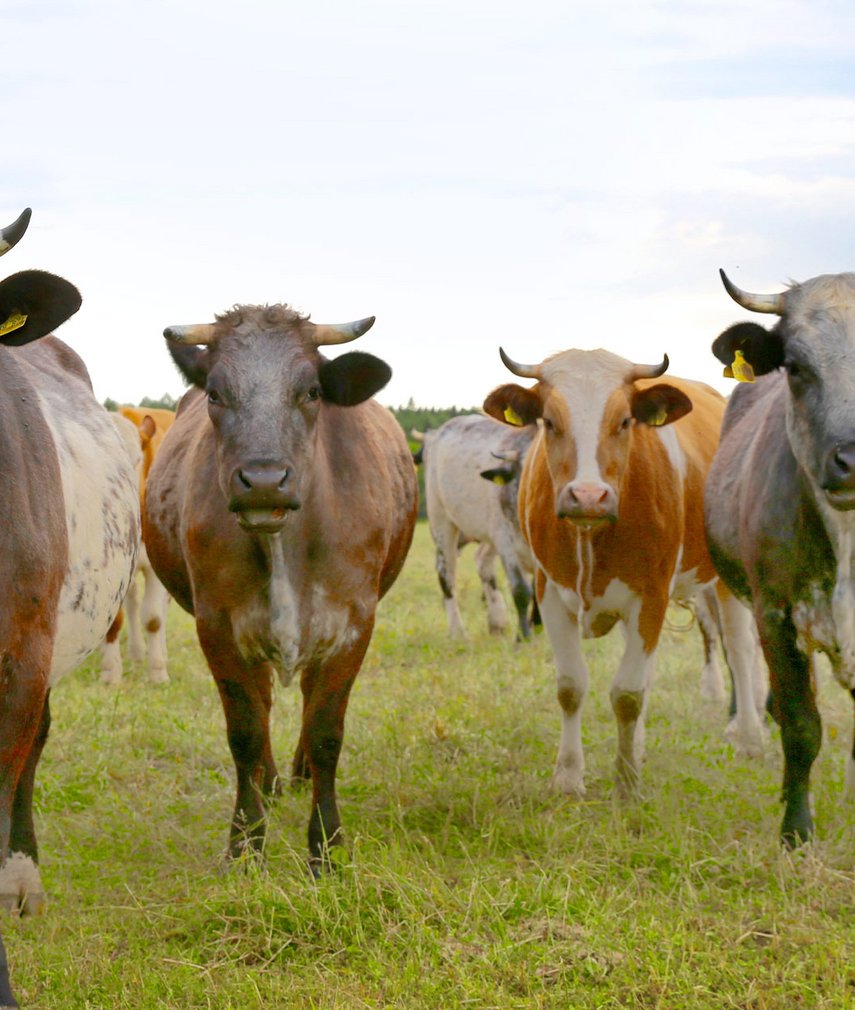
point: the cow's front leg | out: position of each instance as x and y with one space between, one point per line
745 730
246 694
24 722
571 673
641 628
326 691
850 763
795 711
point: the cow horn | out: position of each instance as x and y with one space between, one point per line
339 333
12 234
507 455
648 371
417 436
201 333
523 371
756 303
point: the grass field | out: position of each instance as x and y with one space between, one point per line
467 882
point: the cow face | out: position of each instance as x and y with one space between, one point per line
589 406
267 387
814 343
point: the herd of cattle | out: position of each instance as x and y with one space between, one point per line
278 505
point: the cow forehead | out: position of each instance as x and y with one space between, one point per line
585 380
822 310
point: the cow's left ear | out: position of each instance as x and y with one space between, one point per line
763 349
513 404
353 378
659 404
192 361
500 475
32 304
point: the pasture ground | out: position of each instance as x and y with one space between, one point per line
466 882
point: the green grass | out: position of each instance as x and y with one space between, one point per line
467 883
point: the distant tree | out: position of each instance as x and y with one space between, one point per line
111 404
166 402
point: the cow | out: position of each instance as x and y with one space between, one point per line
461 508
780 500
279 510
148 620
610 504
69 524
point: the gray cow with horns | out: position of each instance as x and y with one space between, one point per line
278 511
780 505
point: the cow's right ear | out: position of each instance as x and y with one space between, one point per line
32 304
500 475
192 361
763 349
513 404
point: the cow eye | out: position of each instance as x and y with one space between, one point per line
626 422
313 393
214 397
548 424
799 375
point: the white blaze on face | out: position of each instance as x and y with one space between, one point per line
586 380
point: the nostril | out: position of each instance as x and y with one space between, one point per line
285 475
244 480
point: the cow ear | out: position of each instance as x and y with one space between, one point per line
148 427
513 404
32 304
352 378
500 475
763 349
660 404
193 362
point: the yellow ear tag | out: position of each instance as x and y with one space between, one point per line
659 418
500 479
512 417
14 322
740 370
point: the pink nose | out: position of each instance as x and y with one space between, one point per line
587 503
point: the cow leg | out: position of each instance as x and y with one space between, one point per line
629 699
326 691
796 713
132 605
24 722
154 603
745 730
520 587
111 652
246 693
712 682
497 611
446 537
572 686
850 764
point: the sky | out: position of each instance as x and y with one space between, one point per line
476 173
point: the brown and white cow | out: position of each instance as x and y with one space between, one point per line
69 531
147 616
463 508
611 504
781 505
279 510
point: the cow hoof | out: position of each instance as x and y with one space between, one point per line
111 676
21 891
158 675
747 741
569 782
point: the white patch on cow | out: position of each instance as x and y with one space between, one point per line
21 887
668 434
277 629
102 517
739 635
616 601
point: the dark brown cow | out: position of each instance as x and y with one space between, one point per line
69 531
279 510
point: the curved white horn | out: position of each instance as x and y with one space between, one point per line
201 333
648 371
773 304
507 455
11 234
523 371
324 334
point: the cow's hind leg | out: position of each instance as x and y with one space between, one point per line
850 763
446 538
154 604
706 611
497 611
326 691
745 730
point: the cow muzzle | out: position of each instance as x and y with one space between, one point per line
262 495
838 477
588 504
